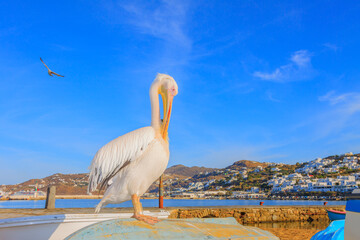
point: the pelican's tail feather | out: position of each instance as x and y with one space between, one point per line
101 204
98 208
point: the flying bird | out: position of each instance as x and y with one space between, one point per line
129 164
49 71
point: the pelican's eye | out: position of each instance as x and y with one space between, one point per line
172 91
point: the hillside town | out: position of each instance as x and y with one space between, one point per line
332 177
311 178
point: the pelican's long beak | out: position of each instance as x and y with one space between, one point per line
167 101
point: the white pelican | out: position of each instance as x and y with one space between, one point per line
49 71
129 164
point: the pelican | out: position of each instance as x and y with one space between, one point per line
129 164
49 71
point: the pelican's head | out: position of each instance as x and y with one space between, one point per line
167 88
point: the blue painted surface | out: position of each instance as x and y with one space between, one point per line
353 205
335 231
91 203
205 228
335 216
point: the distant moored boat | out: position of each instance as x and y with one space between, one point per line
336 215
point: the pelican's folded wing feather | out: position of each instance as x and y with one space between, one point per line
117 154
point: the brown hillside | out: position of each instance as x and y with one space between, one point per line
66 184
182 170
246 163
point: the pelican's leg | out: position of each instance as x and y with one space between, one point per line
138 211
150 217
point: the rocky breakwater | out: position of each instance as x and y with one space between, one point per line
245 215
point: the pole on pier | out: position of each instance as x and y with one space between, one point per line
161 193
50 197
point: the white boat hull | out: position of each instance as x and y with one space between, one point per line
56 227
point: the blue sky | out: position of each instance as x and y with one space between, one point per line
268 81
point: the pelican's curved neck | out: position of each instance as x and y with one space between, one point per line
155 108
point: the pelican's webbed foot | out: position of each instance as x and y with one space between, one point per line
147 219
138 210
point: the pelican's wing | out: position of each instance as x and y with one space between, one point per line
117 154
44 64
57 74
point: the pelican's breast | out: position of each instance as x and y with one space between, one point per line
148 167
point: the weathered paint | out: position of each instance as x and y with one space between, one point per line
207 228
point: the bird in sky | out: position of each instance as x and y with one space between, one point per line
129 164
49 71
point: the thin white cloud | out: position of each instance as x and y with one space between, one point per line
166 21
331 46
347 103
299 68
269 76
333 99
271 97
338 117
341 117
301 58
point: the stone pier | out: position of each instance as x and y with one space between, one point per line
261 214
243 214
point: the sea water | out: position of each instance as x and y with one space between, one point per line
91 203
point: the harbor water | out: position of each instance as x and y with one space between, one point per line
91 203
